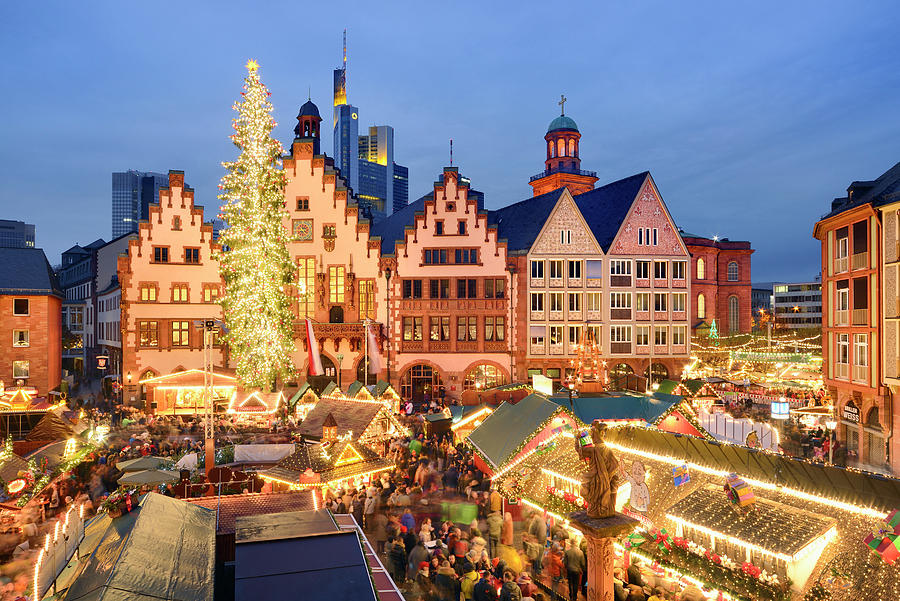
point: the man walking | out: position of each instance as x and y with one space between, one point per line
575 564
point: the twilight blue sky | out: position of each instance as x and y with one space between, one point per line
751 116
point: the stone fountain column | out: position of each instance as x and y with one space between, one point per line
599 534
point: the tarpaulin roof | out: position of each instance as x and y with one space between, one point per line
509 426
163 549
617 407
832 482
55 425
300 554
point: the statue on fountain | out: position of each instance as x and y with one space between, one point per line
600 483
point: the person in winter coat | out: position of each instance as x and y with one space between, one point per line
397 557
468 580
537 529
379 531
510 591
575 563
495 526
506 534
446 585
417 555
369 507
423 588
408 520
484 590
555 567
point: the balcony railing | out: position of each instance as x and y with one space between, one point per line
495 346
860 260
841 371
537 349
556 349
575 315
575 282
536 282
840 265
642 283
547 172
439 346
556 283
595 282
860 373
842 317
556 315
860 317
682 283
537 315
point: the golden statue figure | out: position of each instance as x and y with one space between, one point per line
600 483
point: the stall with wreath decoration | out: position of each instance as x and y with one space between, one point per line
824 522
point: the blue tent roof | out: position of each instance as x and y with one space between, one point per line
605 208
618 406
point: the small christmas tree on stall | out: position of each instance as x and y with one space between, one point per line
255 263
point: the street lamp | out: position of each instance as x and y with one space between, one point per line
340 358
831 424
570 387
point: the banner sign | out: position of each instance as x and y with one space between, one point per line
781 410
851 413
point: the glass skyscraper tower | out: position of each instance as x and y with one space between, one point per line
132 193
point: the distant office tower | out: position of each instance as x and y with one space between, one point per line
16 234
132 193
366 162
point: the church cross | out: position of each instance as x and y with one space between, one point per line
562 103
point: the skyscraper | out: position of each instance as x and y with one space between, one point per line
16 234
132 193
366 162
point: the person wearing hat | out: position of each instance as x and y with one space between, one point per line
417 555
423 588
468 579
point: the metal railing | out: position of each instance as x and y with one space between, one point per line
571 170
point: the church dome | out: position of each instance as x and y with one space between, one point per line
309 109
562 122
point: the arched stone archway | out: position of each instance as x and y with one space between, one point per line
319 383
484 375
421 382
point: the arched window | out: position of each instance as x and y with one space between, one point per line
318 383
572 147
701 306
734 315
484 376
621 369
551 150
561 147
421 383
701 269
733 271
660 373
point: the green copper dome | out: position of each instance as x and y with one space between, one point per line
562 122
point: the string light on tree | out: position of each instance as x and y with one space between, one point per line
255 264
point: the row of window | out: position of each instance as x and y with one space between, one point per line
149 293
306 284
661 334
494 328
618 300
733 270
191 255
439 229
465 288
109 330
556 268
860 349
178 334
108 304
450 256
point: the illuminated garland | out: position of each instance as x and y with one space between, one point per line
255 263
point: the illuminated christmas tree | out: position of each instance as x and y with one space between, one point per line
255 263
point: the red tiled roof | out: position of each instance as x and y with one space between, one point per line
232 507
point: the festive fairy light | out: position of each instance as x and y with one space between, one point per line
471 418
572 481
799 494
256 264
680 575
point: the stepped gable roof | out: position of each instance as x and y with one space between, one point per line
882 190
521 223
350 415
509 426
605 208
27 271
391 229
